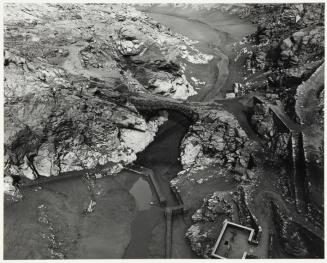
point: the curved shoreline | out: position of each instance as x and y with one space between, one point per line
188 17
221 52
194 20
222 64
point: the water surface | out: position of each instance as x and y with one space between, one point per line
142 194
216 37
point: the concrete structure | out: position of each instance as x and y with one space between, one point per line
161 197
226 243
280 118
169 215
150 175
299 180
170 211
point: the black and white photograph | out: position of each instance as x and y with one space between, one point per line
163 130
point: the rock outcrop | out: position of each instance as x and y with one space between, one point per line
203 233
286 49
55 119
266 126
215 148
52 126
209 218
66 70
215 140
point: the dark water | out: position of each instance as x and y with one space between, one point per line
241 109
162 156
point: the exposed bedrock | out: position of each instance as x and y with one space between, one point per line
54 126
271 130
152 54
215 138
71 82
208 219
215 148
286 49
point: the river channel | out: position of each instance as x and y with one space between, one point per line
127 221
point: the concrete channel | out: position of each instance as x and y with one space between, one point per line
148 173
298 174
170 211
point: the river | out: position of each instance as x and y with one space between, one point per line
148 228
214 39
127 221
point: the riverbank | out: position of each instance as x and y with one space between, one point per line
216 33
235 159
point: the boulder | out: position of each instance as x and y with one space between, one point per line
166 84
130 41
230 95
8 186
286 44
298 36
44 162
27 171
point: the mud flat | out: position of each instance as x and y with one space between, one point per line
53 225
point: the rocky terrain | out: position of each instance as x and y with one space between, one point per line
215 146
88 86
55 118
286 50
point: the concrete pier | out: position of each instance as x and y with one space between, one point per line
46 180
300 189
161 197
168 238
177 195
271 244
299 172
150 175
